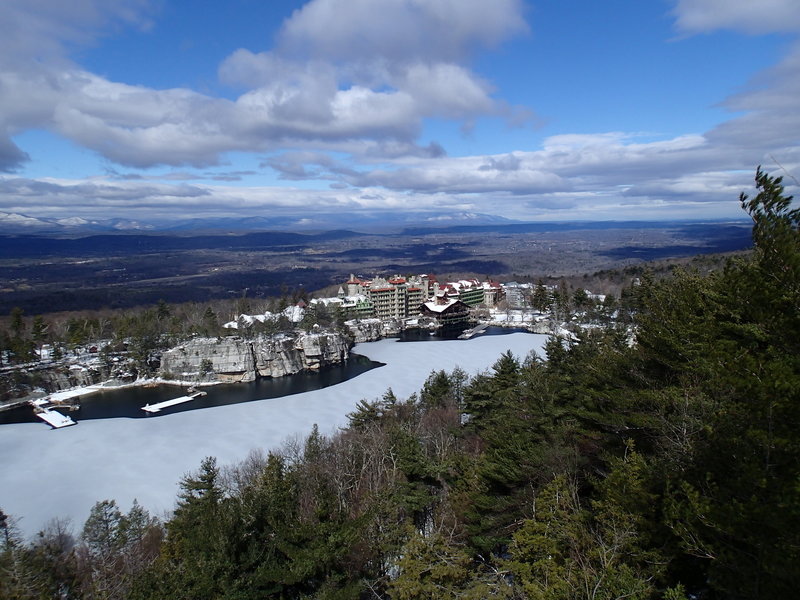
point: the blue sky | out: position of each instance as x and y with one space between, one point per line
154 110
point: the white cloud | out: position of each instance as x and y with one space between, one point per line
413 71
373 70
447 90
35 39
45 30
97 198
771 106
593 173
767 130
398 31
754 17
362 84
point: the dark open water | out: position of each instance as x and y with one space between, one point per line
128 402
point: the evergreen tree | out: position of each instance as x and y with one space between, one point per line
541 298
739 505
192 562
210 323
436 391
430 566
163 310
39 331
17 321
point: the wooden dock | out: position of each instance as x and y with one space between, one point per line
54 418
154 408
474 331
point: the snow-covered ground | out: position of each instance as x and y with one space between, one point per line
61 473
515 316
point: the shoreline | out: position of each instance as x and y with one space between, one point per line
534 326
63 396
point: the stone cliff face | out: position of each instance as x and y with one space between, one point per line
545 327
54 377
369 330
365 330
69 377
233 359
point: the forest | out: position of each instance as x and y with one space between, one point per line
659 464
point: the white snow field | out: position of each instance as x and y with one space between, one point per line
48 473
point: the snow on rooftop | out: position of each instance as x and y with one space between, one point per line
434 307
326 301
293 313
250 319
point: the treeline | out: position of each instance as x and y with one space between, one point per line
564 303
22 336
129 342
667 467
617 281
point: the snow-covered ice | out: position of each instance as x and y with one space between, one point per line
47 473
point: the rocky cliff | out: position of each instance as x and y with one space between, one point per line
34 380
234 359
365 330
369 330
66 377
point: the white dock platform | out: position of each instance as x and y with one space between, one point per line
474 331
154 408
55 419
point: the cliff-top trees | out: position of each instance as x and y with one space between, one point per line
739 504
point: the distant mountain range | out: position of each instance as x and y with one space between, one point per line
16 223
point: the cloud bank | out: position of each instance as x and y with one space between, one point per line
373 73
340 102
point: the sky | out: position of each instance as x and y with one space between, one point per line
539 110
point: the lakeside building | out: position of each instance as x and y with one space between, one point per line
448 312
516 294
402 297
389 297
395 297
351 307
492 293
471 292
359 307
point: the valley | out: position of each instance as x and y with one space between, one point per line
49 274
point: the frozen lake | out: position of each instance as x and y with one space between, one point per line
61 473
